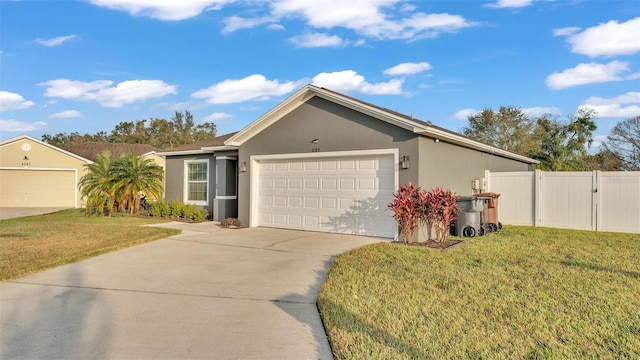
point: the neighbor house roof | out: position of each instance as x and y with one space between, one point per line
55 148
90 150
216 143
393 117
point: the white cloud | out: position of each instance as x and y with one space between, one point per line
408 68
171 10
13 101
55 41
217 117
509 4
622 106
315 40
275 27
20 126
350 81
101 91
541 110
235 23
589 74
606 39
565 31
253 87
380 19
66 114
464 114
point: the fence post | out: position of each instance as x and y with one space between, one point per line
487 181
537 198
596 197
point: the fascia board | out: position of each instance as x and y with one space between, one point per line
460 140
55 148
183 152
268 118
307 93
371 111
220 148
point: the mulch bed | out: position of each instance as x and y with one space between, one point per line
437 245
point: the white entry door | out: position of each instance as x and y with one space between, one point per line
341 194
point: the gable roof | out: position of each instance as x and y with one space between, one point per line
54 148
395 118
90 150
204 146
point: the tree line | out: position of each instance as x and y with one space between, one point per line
558 145
161 133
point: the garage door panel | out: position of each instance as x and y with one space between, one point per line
37 188
342 194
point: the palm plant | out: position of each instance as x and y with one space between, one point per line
134 176
97 186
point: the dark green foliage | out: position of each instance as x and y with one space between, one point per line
559 146
161 133
120 182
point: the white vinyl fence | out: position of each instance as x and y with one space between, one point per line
592 200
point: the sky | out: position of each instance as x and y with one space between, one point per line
85 66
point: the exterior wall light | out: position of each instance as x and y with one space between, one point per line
243 166
404 162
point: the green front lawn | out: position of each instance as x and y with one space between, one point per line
521 293
35 243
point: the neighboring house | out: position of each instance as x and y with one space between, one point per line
36 174
324 161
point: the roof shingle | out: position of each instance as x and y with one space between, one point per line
90 150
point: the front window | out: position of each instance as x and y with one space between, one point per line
197 182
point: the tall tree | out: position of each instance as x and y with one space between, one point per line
605 160
181 129
135 176
123 181
63 140
508 128
564 146
97 186
625 141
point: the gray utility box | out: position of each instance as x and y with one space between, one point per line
468 222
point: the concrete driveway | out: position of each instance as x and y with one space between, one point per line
208 293
15 212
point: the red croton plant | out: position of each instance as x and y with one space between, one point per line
413 207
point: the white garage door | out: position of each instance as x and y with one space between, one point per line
338 194
37 188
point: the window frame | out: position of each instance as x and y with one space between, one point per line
187 182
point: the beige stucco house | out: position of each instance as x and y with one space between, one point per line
36 174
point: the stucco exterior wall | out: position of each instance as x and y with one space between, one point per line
452 166
337 129
39 156
175 178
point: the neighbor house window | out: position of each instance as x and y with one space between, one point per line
197 181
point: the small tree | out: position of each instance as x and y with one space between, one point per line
441 211
408 210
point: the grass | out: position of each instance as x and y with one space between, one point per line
525 293
35 243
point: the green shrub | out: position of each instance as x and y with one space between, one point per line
154 209
201 215
229 222
176 209
165 209
189 211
